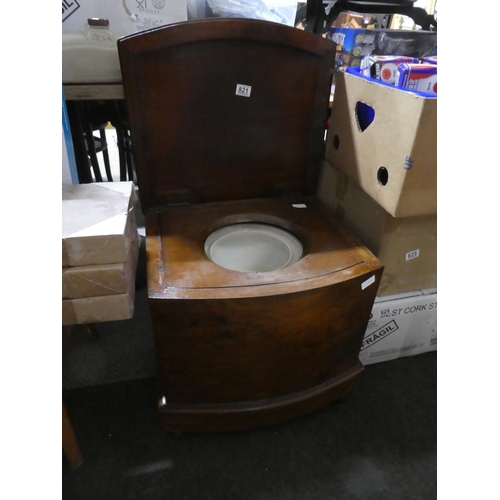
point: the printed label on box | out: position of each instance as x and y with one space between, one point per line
379 334
413 254
243 90
69 7
403 325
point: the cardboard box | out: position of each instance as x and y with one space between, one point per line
385 140
401 325
96 222
98 309
104 279
101 308
355 20
406 246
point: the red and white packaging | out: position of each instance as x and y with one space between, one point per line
417 77
384 68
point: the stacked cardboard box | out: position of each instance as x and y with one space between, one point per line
380 176
100 248
405 245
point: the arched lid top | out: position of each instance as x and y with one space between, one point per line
226 109
224 29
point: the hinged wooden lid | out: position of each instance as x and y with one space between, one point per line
226 109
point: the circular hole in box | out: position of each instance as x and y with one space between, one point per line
383 176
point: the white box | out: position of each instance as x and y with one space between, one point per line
125 16
401 325
90 53
97 220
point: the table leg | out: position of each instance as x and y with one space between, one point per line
69 442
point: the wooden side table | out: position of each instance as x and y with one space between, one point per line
69 442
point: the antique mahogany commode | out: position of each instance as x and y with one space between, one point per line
228 120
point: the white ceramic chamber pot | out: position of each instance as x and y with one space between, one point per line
253 248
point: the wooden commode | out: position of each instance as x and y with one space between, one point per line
228 121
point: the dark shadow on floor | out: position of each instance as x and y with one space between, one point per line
379 443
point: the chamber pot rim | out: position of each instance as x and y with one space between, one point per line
253 247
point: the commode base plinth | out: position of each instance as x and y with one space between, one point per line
250 414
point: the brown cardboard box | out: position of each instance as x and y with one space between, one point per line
407 246
102 308
96 220
97 309
394 159
68 313
104 279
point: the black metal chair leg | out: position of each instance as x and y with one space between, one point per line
121 153
105 154
92 152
